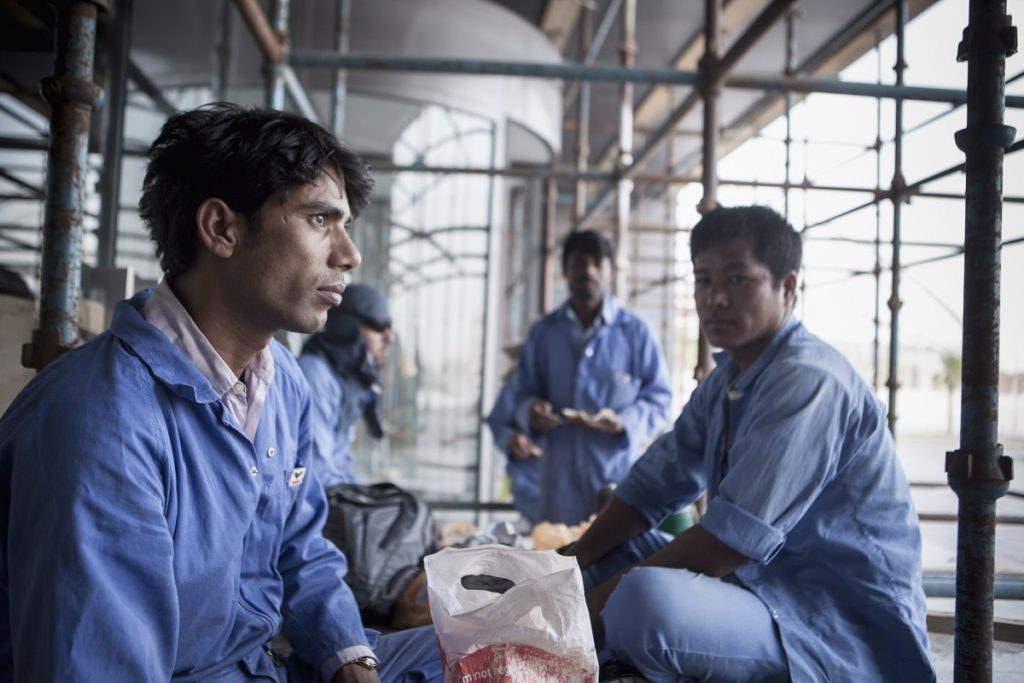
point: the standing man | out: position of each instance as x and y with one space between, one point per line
157 520
807 564
342 365
592 381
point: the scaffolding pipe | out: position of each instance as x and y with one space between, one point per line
113 135
339 91
222 53
876 344
790 70
711 92
583 120
977 471
589 55
274 78
72 96
897 190
568 72
722 66
623 185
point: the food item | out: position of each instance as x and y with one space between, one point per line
511 663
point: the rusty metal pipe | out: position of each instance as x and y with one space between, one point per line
72 96
978 472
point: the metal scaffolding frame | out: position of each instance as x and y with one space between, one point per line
978 471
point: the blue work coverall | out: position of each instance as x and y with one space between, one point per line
144 537
336 410
813 494
619 366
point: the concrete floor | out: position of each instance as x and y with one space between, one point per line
1007 659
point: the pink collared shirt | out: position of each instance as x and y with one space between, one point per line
243 398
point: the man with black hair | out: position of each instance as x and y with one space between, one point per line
157 520
592 381
342 365
807 564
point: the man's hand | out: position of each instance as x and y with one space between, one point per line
597 597
606 421
353 673
542 417
520 447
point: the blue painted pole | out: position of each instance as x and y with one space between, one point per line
72 96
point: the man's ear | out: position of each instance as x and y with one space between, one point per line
789 287
218 227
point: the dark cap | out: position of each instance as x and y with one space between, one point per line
365 303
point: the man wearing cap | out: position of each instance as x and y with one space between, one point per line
342 365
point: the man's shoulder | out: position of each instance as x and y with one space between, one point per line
808 358
101 378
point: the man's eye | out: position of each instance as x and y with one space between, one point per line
737 279
319 219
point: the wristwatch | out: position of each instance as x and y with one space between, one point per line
366 661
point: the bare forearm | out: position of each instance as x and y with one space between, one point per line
699 551
615 525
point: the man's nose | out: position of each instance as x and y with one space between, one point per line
717 295
344 254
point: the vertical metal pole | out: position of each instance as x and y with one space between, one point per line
339 93
712 89
583 119
113 138
624 186
897 192
222 53
549 246
790 69
978 471
876 347
72 96
273 71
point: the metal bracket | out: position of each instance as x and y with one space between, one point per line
967 464
1006 39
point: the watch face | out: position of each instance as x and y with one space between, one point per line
368 663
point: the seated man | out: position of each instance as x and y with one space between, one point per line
157 521
342 365
807 564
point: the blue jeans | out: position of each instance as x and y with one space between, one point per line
674 624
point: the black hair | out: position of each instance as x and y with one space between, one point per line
241 156
773 241
587 242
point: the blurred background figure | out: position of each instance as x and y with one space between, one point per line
523 454
342 364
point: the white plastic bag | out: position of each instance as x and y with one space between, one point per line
538 630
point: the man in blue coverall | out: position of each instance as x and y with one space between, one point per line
157 520
592 381
342 364
807 564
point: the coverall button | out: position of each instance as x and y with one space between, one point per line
271 452
589 352
254 471
239 389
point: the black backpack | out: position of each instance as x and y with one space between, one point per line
384 532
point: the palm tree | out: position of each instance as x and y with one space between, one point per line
950 378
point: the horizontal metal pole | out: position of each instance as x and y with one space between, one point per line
614 74
942 584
